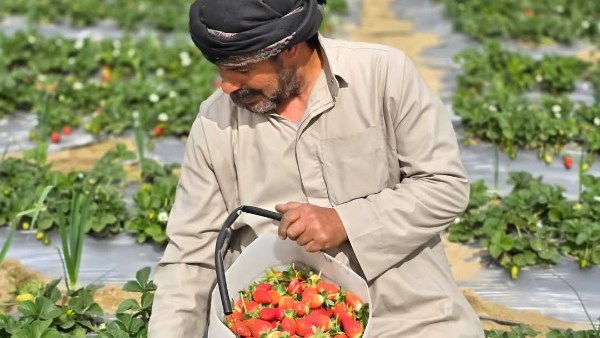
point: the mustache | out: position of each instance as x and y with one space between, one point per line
244 93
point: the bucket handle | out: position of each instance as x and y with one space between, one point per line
220 270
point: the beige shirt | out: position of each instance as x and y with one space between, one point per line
376 144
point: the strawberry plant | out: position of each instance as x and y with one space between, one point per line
562 21
154 200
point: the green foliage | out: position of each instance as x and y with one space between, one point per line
533 225
537 21
154 200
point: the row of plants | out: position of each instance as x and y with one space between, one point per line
23 179
517 102
533 225
562 21
43 311
102 84
162 15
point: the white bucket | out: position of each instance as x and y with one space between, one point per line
270 251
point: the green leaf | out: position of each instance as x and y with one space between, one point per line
47 309
555 215
147 300
596 256
128 304
132 286
581 238
495 250
143 276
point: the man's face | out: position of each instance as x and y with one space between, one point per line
261 87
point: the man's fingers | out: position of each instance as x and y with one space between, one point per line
312 246
295 230
288 218
302 239
285 207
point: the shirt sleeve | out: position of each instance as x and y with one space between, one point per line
185 275
434 188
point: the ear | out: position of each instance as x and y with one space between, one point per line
288 55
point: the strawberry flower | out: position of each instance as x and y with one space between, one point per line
163 217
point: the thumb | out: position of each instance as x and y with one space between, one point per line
285 207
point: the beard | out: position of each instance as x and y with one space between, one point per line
258 102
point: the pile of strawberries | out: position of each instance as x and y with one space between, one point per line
297 303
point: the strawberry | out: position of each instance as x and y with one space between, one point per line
353 301
55 137
352 327
268 314
319 320
314 299
340 308
66 130
331 290
568 162
262 296
295 287
303 327
264 286
286 302
245 306
288 324
548 158
106 74
319 334
275 296
158 131
275 334
258 326
301 308
239 327
324 311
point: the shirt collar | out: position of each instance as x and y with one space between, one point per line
336 78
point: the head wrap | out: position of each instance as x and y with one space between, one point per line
240 32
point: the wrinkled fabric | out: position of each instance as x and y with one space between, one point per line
377 145
238 32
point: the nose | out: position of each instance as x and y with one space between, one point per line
229 86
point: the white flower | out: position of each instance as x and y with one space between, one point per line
539 78
457 220
597 198
558 115
163 117
116 44
539 224
585 24
160 72
116 53
135 114
31 39
71 61
163 217
556 109
61 98
560 8
172 94
154 98
597 121
492 108
185 59
131 52
80 175
77 86
79 44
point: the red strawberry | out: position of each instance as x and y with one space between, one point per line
340 308
303 327
352 327
240 328
268 314
340 335
330 289
258 326
319 320
288 324
295 287
55 137
310 296
353 301
323 311
286 302
264 286
262 296
275 296
245 306
66 130
158 131
568 161
301 308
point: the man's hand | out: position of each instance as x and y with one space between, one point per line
315 228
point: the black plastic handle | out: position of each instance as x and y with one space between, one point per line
220 270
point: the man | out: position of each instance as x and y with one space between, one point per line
345 139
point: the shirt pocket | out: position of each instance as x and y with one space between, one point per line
354 166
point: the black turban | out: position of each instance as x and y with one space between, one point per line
239 32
